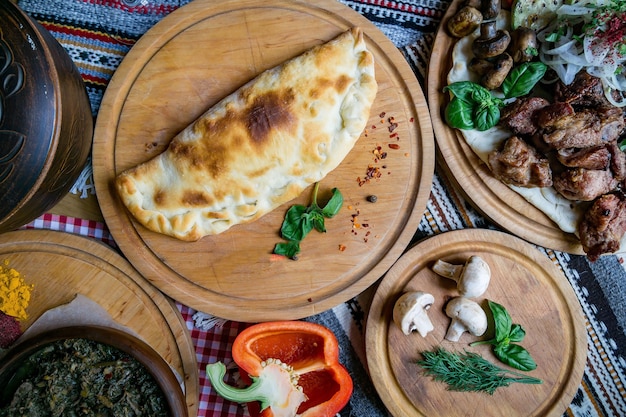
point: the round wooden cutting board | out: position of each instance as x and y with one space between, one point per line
200 54
495 200
530 287
62 265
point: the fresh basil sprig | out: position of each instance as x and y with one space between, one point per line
472 107
300 220
507 334
475 107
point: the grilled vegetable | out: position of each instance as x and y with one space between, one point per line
533 14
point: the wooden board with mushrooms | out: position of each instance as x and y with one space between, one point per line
417 311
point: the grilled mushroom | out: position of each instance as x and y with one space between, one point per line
494 78
492 42
523 46
490 9
464 22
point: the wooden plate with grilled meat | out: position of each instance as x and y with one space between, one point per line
495 200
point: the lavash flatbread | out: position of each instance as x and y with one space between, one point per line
259 147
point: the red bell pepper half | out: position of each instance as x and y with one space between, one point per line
293 367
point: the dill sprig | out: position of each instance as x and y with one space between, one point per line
469 371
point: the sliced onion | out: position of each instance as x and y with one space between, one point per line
567 56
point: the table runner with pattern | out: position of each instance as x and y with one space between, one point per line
98 33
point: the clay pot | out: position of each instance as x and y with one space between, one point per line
46 125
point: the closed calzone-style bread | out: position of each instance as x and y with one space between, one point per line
259 147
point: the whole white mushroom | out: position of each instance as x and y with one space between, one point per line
410 312
467 316
472 277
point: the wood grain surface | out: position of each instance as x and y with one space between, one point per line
62 265
491 197
192 59
532 289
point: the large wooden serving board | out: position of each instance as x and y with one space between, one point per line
195 57
63 265
495 200
523 280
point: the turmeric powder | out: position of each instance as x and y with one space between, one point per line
14 292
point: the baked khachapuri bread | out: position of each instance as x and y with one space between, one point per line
259 147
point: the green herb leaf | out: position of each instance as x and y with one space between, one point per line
334 204
297 223
300 220
459 114
515 356
502 320
522 78
317 221
505 334
463 90
487 117
517 333
289 249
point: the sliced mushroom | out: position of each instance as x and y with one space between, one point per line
472 278
465 21
523 46
491 42
410 312
494 78
467 316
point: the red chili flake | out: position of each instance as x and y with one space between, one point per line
392 126
310 300
393 135
394 146
411 120
382 114
342 248
373 126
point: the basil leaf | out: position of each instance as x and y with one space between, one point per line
334 204
501 319
517 333
522 78
317 221
481 95
486 117
515 356
289 249
463 90
296 224
459 114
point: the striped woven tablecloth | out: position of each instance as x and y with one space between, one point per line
98 33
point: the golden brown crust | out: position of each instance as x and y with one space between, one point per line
259 147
